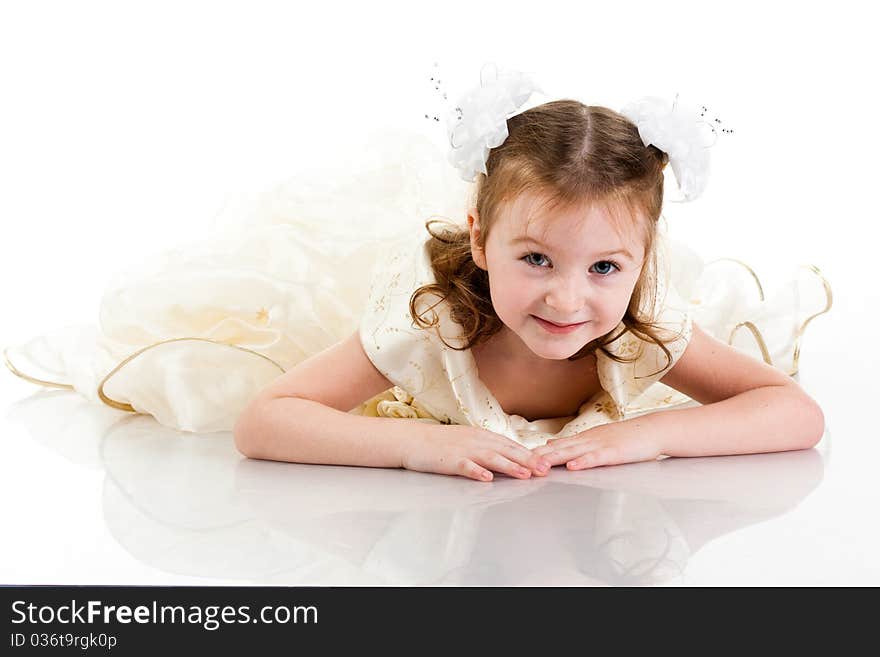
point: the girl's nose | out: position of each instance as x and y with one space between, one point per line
566 297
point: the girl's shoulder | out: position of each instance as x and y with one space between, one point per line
390 337
402 269
417 360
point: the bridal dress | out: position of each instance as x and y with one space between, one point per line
191 334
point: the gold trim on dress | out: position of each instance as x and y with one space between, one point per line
765 353
124 406
759 338
800 332
39 382
751 271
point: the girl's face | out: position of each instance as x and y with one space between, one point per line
571 267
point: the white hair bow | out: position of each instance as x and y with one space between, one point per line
479 120
682 133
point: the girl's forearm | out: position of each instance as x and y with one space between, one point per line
767 419
304 431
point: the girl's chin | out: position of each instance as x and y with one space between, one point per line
556 352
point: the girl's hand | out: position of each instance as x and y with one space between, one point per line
606 444
471 452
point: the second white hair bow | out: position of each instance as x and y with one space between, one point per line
680 131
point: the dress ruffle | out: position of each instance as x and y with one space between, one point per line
190 335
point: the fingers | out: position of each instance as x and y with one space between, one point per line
509 466
601 456
481 468
554 447
511 449
469 469
501 454
561 451
498 453
535 463
579 457
551 454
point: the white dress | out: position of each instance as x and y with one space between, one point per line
191 335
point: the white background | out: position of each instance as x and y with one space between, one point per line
124 127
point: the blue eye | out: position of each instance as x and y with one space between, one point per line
610 264
604 272
529 255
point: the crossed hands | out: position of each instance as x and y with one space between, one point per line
606 444
476 453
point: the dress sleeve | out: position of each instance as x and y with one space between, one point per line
406 354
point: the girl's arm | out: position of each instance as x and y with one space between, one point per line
772 418
302 417
748 407
304 431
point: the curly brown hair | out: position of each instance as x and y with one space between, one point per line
569 154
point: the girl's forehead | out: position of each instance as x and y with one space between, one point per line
543 220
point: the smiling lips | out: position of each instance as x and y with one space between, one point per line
557 328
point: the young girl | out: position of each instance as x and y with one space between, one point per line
546 331
523 338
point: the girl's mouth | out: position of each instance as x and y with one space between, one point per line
556 328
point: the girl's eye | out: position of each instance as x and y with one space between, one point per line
528 257
603 267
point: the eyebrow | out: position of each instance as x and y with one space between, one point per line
604 254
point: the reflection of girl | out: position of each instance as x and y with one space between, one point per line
638 524
213 514
461 330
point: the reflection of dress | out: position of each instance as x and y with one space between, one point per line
191 335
